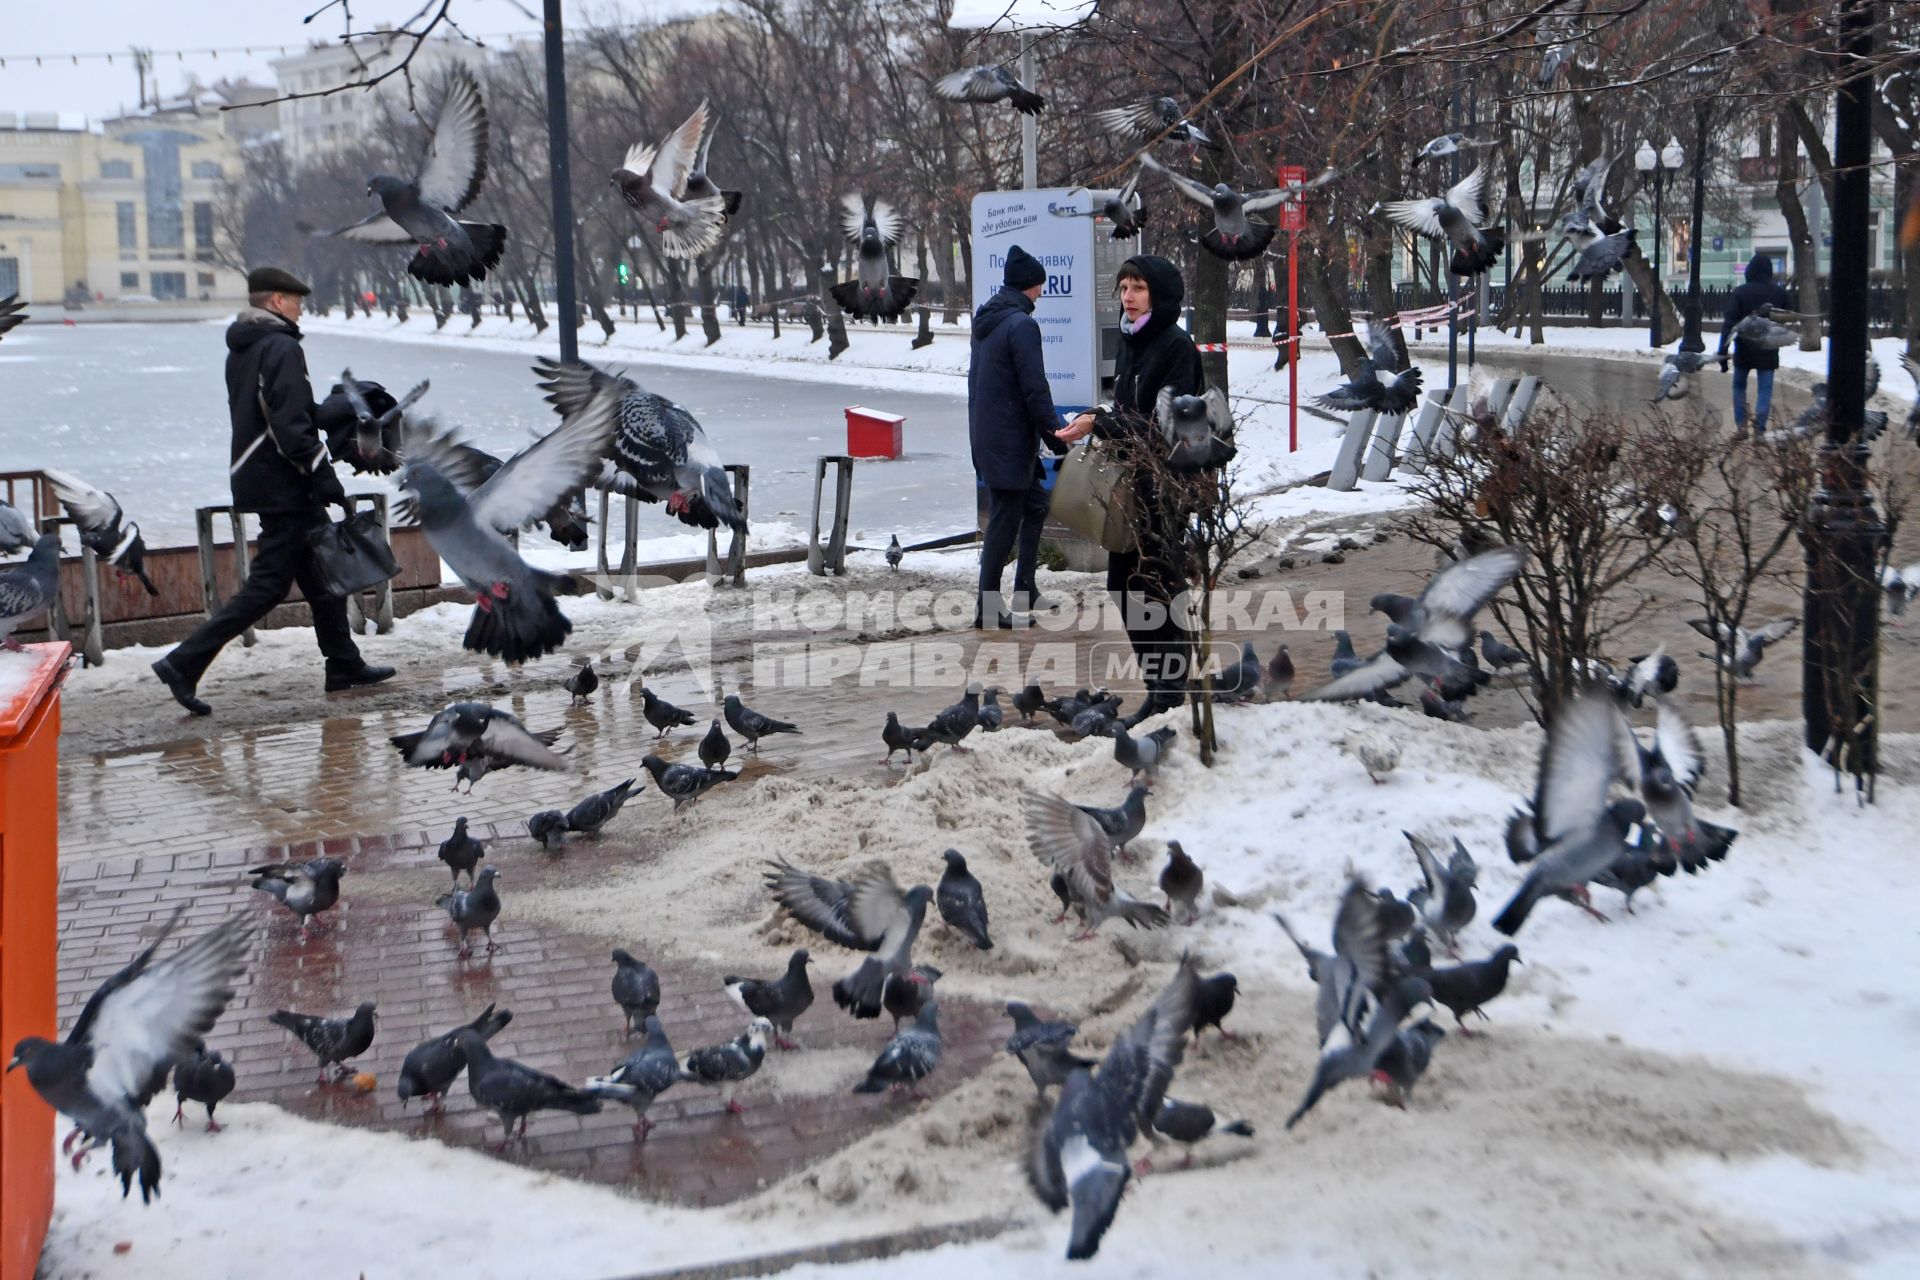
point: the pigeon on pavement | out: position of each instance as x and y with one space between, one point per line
598 809
909 1057
27 589
514 1091
878 908
1141 756
431 1067
1464 988
1501 658
898 737
1458 217
1234 236
684 783
654 180
461 852
421 212
715 748
466 731
333 1040
1445 900
962 903
103 526
581 684
115 1057
1071 841
1041 1047
874 292
952 724
750 724
304 888
1747 647
636 989
547 826
475 908
1181 880
1152 117
987 84
203 1077
726 1065
644 1075
779 1000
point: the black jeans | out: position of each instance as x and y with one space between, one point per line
1144 585
1011 512
280 559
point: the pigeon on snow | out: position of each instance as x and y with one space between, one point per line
636 988
27 589
1075 846
1465 987
823 905
431 1067
654 180
1189 1123
333 1040
1142 756
103 526
304 888
642 1076
1212 1001
464 731
1404 1060
1181 880
895 553
874 292
962 903
989 84
1121 824
203 1077
514 1091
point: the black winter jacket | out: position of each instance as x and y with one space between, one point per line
279 457
1758 290
1010 409
1160 354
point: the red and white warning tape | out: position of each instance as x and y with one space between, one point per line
1209 348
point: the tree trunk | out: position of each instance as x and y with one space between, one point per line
1640 271
530 302
1326 293
709 313
1806 255
1379 251
676 301
835 322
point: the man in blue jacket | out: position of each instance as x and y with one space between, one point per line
1010 414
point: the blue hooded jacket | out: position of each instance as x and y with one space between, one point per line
1010 411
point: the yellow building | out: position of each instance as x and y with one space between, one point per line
116 210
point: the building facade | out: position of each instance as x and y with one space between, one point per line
311 127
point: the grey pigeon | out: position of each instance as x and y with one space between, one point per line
1345 660
1646 859
1458 217
909 1057
962 903
1074 844
1149 118
103 526
368 438
1667 771
304 888
894 553
898 737
750 724
1603 256
953 723
1142 756
1190 1123
902 998
654 181
661 714
715 748
600 808
333 1040
1234 236
1120 208
1436 705
1197 430
461 852
1743 653
823 905
644 1075
1652 675
1093 722
1499 656
987 84
1124 823
1357 1044
1181 880
1402 1063
1364 388
16 531
1355 975
1279 675
547 826
684 783
13 313
27 589
779 1000
878 907
874 292
1445 899
700 184
1676 374
203 1077
1448 144
992 714
1212 1001
724 1066
1031 699
475 908
512 1090
565 518
421 212
636 988
115 1057
1764 328
1041 1047
1464 988
431 1067
581 684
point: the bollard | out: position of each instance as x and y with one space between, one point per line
242 558
630 549
833 557
735 569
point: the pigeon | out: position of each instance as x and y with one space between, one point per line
1652 675
27 589
715 748
1748 647
566 518
115 1056
684 783
1457 217
726 1065
1815 417
1898 587
431 1067
874 292
1238 683
895 553
1449 144
1079 1157
1142 756
661 714
13 313
636 988
1763 330
1603 256
1212 1001
514 1091
1189 1123
1676 374
1032 699
1041 1047
1198 430
1552 60
779 1000
988 84
547 826
903 1000
104 528
1500 657
654 180
304 888
750 724
1645 860
992 714
909 1057
369 437
1345 660
1234 236
1667 772
1181 880
1358 971
421 212
461 852
898 737
203 1077
1465 987
700 184
333 1040
1405 1060
1356 1045
581 684
1576 831
1435 705
1121 208
1363 389
1074 844
475 908
819 903
878 908
962 903
1445 901
1378 753
1588 221
1279 680
1094 722
1121 824
642 1076
515 617
952 724
16 531
1153 117
598 809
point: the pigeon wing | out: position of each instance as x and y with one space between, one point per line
1379 672
456 163
853 214
1464 195
528 484
877 906
375 228
1680 745
971 84
1416 215
508 739
1775 631
1072 842
674 160
571 387
701 139
1578 767
1429 865
1135 120
1457 592
819 903
90 508
1194 191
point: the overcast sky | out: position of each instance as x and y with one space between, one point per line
99 89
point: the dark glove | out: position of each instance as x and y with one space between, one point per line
327 489
1723 363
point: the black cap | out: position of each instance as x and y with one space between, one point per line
274 280
1023 269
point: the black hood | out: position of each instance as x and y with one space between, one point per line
255 323
1165 288
998 309
1760 270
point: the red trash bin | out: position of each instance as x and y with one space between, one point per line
873 434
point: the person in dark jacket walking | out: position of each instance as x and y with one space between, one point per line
1759 290
1010 414
1155 353
282 472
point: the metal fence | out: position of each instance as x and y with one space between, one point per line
1562 304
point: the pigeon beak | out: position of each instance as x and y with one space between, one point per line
17 1060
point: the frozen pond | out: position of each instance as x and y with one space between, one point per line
140 410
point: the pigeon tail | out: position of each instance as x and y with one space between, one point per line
872 1084
869 304
717 492
436 264
859 993
1026 101
1239 1129
1141 915
1096 1198
1482 256
134 1154
1515 913
525 625
1239 248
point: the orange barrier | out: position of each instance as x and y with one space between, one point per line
29 903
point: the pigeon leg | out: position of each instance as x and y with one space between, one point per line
917 1096
1087 936
734 1107
782 1042
1062 917
180 1114
1143 1166
14 646
492 946
1188 1162
641 1128
73 1136
213 1126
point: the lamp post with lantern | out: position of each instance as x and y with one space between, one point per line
1658 168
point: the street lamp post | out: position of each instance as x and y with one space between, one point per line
1690 339
1658 168
562 192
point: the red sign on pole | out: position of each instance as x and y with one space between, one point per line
1293 214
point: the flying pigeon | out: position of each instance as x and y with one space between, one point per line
1073 844
431 1067
203 1077
909 1057
476 731
659 454
103 526
1448 144
989 84
1764 328
1747 647
461 852
879 908
661 714
27 589
1153 117
726 1065
821 904
1667 772
700 185
1815 418
874 292
779 1000
475 908
13 313
1652 675
1352 1047
1445 900
333 1040
1676 374
16 531
644 1075
953 723
115 1057
566 519
1121 208
304 888
636 988
654 180
1364 388
1588 220
895 554
750 724
421 212
1351 982
514 1091
684 783
581 684
1603 256
515 617
1234 236
1456 217
1041 1047
1466 987
1142 756
368 438
1181 880
962 903
715 748
1198 430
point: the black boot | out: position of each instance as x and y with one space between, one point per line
181 688
355 677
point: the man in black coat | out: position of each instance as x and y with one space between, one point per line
1759 290
282 472
1010 414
